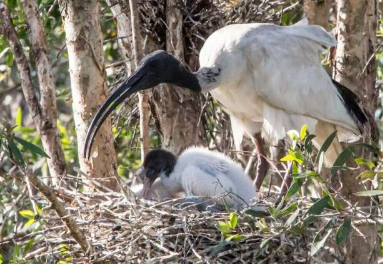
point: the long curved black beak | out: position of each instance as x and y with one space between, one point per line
135 83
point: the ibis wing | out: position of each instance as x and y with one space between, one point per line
291 80
199 182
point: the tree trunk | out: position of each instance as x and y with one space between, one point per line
177 110
44 113
143 97
88 83
318 12
355 67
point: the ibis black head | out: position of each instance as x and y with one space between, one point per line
156 162
156 68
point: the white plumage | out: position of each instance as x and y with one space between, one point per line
271 80
200 173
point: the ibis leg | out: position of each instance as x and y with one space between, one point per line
262 165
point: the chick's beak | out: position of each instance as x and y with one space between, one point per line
140 174
146 188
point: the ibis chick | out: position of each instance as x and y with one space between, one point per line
199 173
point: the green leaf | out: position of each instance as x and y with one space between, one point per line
327 143
10 59
16 251
1 259
369 193
256 213
335 203
288 210
285 18
369 174
233 220
295 187
224 227
318 206
303 132
316 246
294 168
288 158
47 2
38 209
273 210
30 222
299 158
362 161
296 230
16 154
371 148
292 218
265 242
308 221
343 231
308 142
262 226
27 214
4 52
28 245
31 147
304 175
19 117
293 156
342 158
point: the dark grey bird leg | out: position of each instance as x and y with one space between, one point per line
262 165
199 204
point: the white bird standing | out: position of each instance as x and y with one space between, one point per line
199 173
268 78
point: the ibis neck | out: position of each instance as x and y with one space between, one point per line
208 78
186 79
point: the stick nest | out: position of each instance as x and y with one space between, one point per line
126 229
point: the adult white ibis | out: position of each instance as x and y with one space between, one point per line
269 78
198 173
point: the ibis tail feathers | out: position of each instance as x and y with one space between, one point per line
350 102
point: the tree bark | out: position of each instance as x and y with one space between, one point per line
177 110
355 67
44 113
318 12
143 97
88 84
